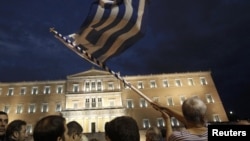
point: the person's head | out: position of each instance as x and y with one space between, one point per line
74 131
194 110
3 122
123 128
51 128
16 130
153 134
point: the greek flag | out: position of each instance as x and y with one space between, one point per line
111 27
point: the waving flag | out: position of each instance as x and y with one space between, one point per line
111 27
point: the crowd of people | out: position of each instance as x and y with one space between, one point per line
122 128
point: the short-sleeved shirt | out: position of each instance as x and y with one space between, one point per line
186 136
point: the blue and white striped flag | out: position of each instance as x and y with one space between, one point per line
111 27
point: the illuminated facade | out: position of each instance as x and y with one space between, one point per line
94 97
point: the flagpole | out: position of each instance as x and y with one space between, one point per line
93 60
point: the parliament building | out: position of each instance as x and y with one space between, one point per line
94 97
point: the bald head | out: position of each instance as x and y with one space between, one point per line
194 110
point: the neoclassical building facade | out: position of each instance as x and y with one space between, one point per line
94 97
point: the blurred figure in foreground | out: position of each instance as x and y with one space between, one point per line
3 124
75 131
153 134
16 131
192 116
51 128
123 128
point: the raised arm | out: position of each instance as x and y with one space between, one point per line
167 120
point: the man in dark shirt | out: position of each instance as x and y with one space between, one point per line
3 124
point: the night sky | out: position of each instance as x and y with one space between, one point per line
182 36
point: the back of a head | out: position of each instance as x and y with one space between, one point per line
74 127
194 110
14 126
153 134
49 128
123 128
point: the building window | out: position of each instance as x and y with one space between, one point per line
165 83
156 99
216 118
118 86
93 86
160 122
111 86
99 86
46 90
182 99
153 84
170 101
44 108
146 123
10 92
143 103
99 102
59 89
34 91
93 102
130 103
29 129
203 81
190 82
87 86
6 108
174 122
140 85
209 98
58 107
32 108
23 91
75 88
178 83
126 86
87 103
19 109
